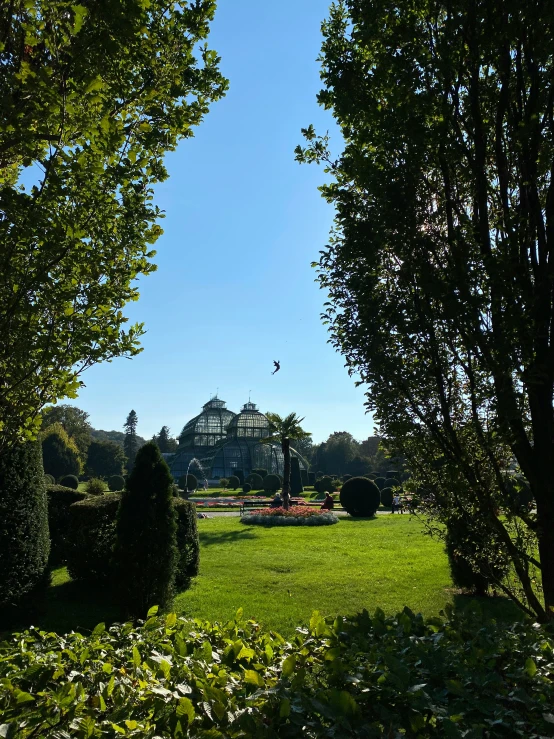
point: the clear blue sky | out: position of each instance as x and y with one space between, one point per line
234 288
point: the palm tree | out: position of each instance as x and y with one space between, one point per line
283 430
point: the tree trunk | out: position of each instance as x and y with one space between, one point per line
545 517
285 447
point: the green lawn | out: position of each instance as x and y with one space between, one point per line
279 576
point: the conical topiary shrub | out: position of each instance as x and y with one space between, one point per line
145 555
24 540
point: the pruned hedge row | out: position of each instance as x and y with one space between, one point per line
59 500
366 676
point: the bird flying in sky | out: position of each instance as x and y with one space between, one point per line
277 367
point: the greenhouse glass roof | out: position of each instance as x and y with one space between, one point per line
208 427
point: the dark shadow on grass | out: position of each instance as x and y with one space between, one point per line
354 519
497 607
225 537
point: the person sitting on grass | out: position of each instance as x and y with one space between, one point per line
328 503
277 501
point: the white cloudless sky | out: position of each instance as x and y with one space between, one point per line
234 288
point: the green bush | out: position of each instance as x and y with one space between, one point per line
311 478
325 485
68 481
259 471
59 500
386 497
381 482
234 482
304 477
296 487
246 488
49 480
60 455
452 677
336 485
240 475
392 482
95 486
116 483
92 538
24 541
360 497
188 545
471 557
272 483
145 554
188 482
391 473
223 482
255 481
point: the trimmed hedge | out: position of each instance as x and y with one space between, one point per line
49 479
92 538
381 482
24 540
188 543
296 487
311 478
259 471
255 481
68 481
386 497
234 482
188 482
60 499
246 488
360 497
304 478
325 485
116 483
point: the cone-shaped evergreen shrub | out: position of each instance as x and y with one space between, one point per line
234 482
272 483
187 543
296 487
116 483
70 481
24 541
386 497
145 556
255 481
360 497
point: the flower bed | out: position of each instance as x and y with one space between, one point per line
295 516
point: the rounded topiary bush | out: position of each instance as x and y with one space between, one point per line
346 477
188 482
69 481
325 485
49 479
95 486
255 481
272 483
386 497
234 482
246 488
360 497
381 482
392 482
391 473
116 483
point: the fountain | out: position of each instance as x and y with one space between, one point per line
202 472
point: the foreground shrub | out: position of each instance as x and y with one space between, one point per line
145 555
69 481
59 500
272 483
92 537
95 486
452 677
360 497
116 483
48 479
188 560
294 516
24 541
255 481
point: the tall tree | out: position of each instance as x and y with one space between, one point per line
440 267
165 442
285 430
341 447
74 421
91 97
130 443
59 452
105 458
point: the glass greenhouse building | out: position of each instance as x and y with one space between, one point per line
221 442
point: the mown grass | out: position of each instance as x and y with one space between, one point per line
279 576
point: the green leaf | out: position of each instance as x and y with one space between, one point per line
136 657
289 665
284 708
253 678
23 697
171 619
99 629
530 667
152 611
185 708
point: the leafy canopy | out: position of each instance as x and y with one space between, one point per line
91 97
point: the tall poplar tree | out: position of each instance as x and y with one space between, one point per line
130 443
